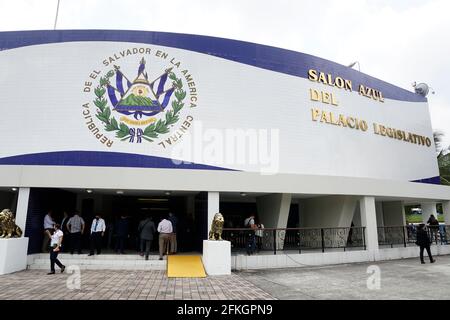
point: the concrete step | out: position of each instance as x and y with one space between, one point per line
102 267
98 262
85 256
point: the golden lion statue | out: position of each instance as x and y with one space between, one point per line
8 228
216 227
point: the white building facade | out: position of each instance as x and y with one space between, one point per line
116 122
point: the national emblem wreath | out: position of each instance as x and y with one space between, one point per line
150 132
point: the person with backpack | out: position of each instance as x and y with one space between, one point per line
423 241
433 225
146 230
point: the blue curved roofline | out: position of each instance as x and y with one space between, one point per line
257 55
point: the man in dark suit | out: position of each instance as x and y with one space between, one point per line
146 230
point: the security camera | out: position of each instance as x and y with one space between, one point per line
422 88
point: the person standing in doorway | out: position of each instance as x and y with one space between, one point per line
66 239
48 230
259 233
55 247
76 228
173 237
165 230
122 233
97 232
433 225
146 230
251 241
423 241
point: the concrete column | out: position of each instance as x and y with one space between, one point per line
357 217
22 208
394 214
379 209
446 211
369 220
213 207
428 208
273 212
273 209
329 211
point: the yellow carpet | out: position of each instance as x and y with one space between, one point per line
185 267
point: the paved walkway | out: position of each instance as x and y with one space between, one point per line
124 285
399 280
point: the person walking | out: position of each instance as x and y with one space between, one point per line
146 230
251 241
97 232
75 226
48 230
423 241
165 230
55 247
173 237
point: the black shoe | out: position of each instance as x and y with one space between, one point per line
433 261
51 272
63 268
422 262
146 258
160 258
90 254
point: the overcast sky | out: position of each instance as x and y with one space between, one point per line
399 41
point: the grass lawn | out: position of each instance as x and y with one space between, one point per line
417 218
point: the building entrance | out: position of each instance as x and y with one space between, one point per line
122 214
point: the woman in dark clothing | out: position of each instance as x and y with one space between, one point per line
424 242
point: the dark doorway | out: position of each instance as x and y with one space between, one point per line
41 200
137 208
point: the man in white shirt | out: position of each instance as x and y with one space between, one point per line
165 230
55 247
48 230
98 228
75 226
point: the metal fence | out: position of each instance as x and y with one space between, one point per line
407 235
298 239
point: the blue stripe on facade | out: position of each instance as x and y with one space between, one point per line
261 56
122 160
434 180
101 159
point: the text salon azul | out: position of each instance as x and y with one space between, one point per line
340 120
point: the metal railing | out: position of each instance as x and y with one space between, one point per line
407 235
298 239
